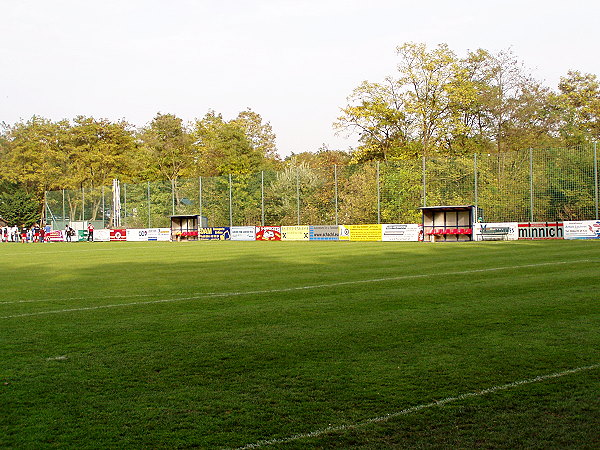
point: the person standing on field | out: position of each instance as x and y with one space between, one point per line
90 232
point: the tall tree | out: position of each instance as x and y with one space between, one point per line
240 146
167 148
578 102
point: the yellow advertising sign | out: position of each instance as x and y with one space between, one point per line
370 232
295 233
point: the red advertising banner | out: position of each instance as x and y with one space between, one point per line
118 235
54 236
268 233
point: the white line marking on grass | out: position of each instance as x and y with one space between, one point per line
276 291
414 409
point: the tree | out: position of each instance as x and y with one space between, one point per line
376 113
18 207
240 146
35 155
166 148
578 104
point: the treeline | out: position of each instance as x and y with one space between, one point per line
42 155
440 104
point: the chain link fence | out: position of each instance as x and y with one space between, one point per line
529 185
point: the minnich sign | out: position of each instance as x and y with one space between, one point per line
541 230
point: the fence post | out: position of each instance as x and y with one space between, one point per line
149 204
298 192
378 197
173 196
103 207
230 203
596 177
262 198
531 185
64 216
124 203
336 192
424 184
200 197
476 186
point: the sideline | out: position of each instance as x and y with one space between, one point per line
269 291
414 409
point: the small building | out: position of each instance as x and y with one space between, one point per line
448 223
185 227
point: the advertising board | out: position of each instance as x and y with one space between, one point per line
137 234
119 234
295 233
102 235
324 233
243 233
268 233
371 232
213 233
482 230
401 232
586 229
55 236
541 230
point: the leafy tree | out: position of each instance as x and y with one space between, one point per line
18 207
166 149
35 155
578 104
240 146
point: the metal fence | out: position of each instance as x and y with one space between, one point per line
530 185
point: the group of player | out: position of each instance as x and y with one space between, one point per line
34 233
38 233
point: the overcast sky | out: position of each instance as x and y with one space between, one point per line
293 62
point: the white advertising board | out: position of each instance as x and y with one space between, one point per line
102 235
164 234
401 232
243 233
513 230
137 234
585 229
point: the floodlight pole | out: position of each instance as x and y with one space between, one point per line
200 197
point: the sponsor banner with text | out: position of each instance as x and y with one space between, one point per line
363 233
541 230
268 233
585 229
214 234
479 229
295 233
137 234
324 233
410 232
243 233
119 234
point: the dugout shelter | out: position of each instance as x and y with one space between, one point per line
185 227
448 223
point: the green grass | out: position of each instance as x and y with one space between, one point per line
131 345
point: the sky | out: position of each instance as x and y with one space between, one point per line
293 62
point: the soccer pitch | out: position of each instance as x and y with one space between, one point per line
300 344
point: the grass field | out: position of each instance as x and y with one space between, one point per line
300 345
